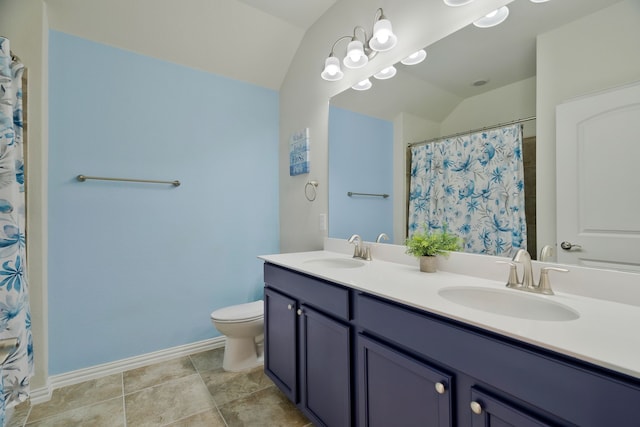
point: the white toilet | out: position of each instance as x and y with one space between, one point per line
243 325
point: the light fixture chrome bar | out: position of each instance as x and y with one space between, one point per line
351 193
83 178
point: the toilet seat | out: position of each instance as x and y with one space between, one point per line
239 313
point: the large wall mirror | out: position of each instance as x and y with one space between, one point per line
475 78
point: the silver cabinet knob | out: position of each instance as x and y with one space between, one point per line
299 312
440 388
476 408
290 306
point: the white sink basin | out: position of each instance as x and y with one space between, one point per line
336 262
512 303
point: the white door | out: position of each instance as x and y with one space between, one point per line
598 179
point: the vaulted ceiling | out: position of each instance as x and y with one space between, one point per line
247 40
256 40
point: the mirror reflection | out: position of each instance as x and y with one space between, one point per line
474 79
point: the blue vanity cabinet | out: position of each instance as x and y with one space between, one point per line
348 358
308 342
396 389
498 381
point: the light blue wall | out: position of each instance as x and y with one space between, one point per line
360 160
135 268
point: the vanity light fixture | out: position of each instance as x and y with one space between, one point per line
361 48
363 85
332 71
386 73
415 58
456 3
494 18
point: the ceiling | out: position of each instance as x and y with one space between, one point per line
301 13
501 55
253 41
270 32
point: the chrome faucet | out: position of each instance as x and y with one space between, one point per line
523 257
546 253
381 237
527 283
360 250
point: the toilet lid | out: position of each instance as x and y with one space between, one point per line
246 311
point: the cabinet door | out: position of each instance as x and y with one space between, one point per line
397 390
280 342
489 411
325 368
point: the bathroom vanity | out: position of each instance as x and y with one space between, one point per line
376 345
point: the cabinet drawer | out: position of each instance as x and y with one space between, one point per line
314 292
552 384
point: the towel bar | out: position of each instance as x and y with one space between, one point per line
351 193
83 178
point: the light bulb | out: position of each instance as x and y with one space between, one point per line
455 3
355 55
386 73
493 18
383 38
363 85
415 58
332 71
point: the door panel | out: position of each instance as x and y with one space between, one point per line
598 200
493 412
325 368
395 389
280 360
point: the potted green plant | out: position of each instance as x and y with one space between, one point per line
427 245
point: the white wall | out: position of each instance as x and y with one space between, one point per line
25 24
507 103
594 53
304 96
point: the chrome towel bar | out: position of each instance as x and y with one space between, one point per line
351 193
83 178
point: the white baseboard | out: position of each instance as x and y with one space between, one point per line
43 394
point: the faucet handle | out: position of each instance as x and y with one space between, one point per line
356 240
512 281
365 253
544 286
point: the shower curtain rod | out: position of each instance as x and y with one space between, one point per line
499 125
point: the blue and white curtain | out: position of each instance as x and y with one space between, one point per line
473 185
15 318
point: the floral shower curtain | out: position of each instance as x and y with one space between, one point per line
15 318
473 185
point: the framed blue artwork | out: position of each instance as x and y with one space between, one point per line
299 152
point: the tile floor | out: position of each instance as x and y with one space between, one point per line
190 391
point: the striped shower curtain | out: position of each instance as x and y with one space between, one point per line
474 185
15 318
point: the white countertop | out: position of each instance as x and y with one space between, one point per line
605 334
